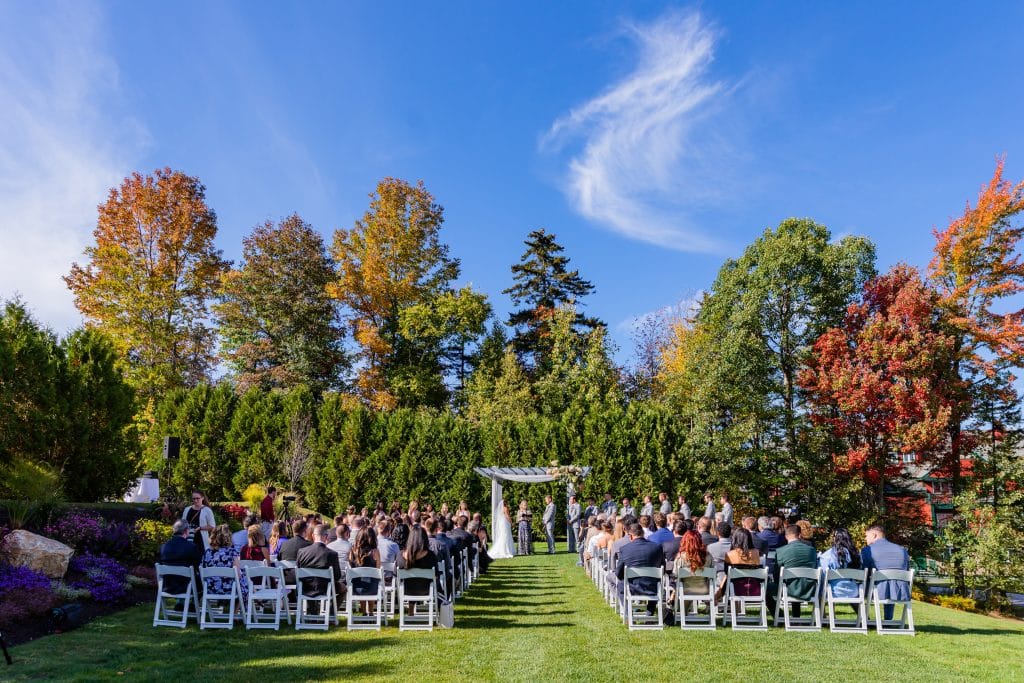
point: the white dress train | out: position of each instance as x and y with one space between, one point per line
503 547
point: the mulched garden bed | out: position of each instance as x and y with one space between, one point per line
30 628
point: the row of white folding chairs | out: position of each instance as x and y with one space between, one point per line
734 609
268 598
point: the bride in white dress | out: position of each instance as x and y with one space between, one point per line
503 547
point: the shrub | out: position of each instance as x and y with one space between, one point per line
150 534
959 602
254 495
27 602
102 576
146 573
78 529
117 540
14 579
134 581
235 511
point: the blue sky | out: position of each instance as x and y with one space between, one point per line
654 139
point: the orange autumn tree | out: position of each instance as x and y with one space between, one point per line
150 277
876 382
977 271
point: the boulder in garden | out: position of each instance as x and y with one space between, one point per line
23 548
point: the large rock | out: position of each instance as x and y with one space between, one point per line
37 552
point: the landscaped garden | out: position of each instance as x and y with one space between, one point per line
528 619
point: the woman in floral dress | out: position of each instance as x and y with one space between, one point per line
222 553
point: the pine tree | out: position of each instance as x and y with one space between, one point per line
543 283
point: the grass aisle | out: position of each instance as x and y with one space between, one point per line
528 619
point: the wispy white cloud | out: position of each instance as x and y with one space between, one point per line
646 154
62 146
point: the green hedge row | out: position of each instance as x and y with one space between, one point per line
358 456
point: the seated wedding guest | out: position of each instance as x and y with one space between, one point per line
648 507
671 547
704 529
278 535
332 533
256 547
719 548
356 525
364 553
615 544
750 524
466 540
693 556
317 555
222 553
241 537
418 555
439 545
179 552
290 549
415 518
806 532
400 535
638 552
779 524
342 542
769 533
661 531
645 524
388 549
842 555
477 529
741 555
794 554
880 553
599 539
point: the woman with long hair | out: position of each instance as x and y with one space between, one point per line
742 555
842 555
222 553
364 553
693 556
418 555
256 546
278 535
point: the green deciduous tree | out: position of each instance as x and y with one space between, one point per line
278 325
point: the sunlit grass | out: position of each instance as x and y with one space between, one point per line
529 619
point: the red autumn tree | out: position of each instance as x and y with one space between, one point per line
875 381
976 268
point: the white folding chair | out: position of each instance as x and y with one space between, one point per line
904 626
695 621
207 615
289 588
387 570
266 586
162 614
326 602
641 620
858 603
442 580
739 604
783 600
416 621
372 621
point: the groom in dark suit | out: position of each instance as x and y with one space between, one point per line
639 552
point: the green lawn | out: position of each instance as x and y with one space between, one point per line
529 619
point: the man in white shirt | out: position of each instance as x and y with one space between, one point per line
387 548
684 507
341 544
665 507
240 538
709 500
627 508
648 507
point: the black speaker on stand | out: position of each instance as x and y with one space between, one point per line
172 447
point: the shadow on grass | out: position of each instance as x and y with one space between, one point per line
956 631
472 623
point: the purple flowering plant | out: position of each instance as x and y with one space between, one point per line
80 530
102 576
15 579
